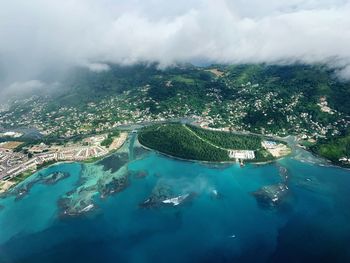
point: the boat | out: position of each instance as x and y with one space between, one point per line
176 200
87 208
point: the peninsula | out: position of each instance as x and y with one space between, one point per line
194 143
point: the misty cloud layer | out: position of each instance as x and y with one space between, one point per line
37 35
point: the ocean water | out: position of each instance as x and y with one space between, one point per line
310 224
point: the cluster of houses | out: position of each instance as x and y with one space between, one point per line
13 164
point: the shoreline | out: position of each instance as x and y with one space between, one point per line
96 159
331 163
207 162
257 152
31 173
7 185
327 164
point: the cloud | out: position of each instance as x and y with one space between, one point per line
344 73
40 34
21 88
31 84
97 67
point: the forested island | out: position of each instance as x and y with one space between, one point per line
194 143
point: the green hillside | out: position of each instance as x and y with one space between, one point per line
265 99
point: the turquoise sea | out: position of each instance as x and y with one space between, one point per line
222 221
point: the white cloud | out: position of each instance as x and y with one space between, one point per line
344 73
31 84
21 88
39 34
98 67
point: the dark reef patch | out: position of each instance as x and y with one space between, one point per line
50 179
117 184
114 162
271 195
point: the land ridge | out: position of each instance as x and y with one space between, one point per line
182 141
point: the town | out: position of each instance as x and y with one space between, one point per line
13 164
250 107
232 99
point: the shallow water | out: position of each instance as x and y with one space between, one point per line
310 224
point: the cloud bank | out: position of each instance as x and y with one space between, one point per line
38 35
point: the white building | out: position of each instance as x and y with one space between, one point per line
241 154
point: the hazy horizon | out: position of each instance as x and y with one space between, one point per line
40 36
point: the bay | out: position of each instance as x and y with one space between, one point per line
229 218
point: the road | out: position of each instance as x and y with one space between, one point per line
204 140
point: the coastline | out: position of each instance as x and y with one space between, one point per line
208 162
331 163
7 185
240 148
326 164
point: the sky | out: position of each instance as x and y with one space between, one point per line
41 35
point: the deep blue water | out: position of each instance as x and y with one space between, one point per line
312 224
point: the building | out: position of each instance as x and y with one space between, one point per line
241 154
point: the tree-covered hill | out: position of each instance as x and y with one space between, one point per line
176 140
190 142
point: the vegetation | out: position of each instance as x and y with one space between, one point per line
176 140
260 98
21 177
190 142
229 140
334 149
109 140
261 155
